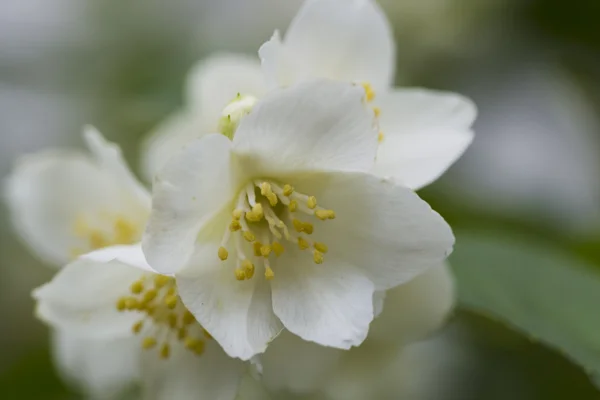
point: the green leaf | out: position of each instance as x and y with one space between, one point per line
543 292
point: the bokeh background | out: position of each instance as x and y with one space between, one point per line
524 200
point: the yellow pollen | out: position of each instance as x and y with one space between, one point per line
318 257
377 111
269 274
196 345
272 197
303 244
182 333
171 301
287 190
122 303
237 214
311 202
325 214
293 205
137 287
248 269
149 295
380 137
308 228
240 274
249 236
121 231
298 225
235 226
258 211
172 319
369 92
223 253
165 351
131 303
148 342
137 327
161 280
322 247
278 248
265 250
256 247
265 189
188 318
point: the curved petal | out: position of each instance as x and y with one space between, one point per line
425 133
239 315
82 298
103 369
212 375
194 185
63 204
216 80
381 227
349 40
311 367
316 125
130 255
330 304
170 137
415 309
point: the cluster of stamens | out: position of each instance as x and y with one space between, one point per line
165 318
369 97
267 216
121 231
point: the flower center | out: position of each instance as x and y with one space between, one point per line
266 216
370 96
118 230
234 112
166 320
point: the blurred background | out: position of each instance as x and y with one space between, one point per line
524 200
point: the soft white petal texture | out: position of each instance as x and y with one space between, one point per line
315 125
425 133
239 315
381 227
216 80
169 137
191 188
130 255
50 193
82 298
348 40
415 309
296 365
187 376
102 369
329 304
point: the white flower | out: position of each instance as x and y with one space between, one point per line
289 199
112 294
421 132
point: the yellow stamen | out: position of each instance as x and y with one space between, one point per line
149 295
237 214
293 205
308 228
240 274
288 190
249 236
377 111
171 301
122 303
161 280
325 214
148 343
265 250
322 247
265 188
188 318
256 247
303 244
278 248
272 197
137 287
311 202
223 253
248 268
235 226
269 274
137 327
318 257
131 303
369 92
258 211
298 225
165 351
380 137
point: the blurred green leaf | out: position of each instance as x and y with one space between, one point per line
542 291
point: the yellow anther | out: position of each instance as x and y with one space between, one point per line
206 334
171 301
298 225
311 202
125 231
256 247
137 287
165 351
249 270
172 319
272 197
240 274
249 236
188 318
137 327
182 333
122 304
322 247
149 295
293 205
265 250
265 188
278 248
235 225
269 274
171 291
369 92
325 214
197 346
308 228
148 342
223 253
380 137
258 211
303 244
131 303
377 111
288 190
161 280
318 257
237 214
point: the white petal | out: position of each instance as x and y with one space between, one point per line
316 125
277 63
215 81
415 309
82 298
239 315
381 227
329 304
130 255
170 137
51 192
102 369
349 40
212 375
425 132
293 364
194 185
